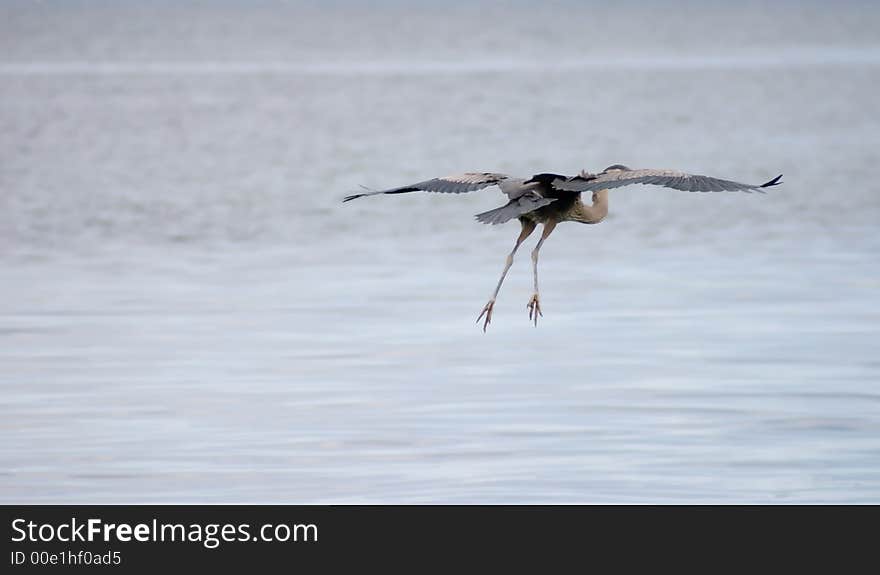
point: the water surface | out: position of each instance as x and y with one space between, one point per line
189 314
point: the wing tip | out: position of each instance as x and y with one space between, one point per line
367 192
774 182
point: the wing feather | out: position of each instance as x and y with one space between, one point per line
454 184
667 178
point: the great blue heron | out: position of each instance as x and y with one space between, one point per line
550 199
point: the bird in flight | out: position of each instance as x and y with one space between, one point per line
551 199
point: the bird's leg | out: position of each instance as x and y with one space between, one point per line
534 304
527 228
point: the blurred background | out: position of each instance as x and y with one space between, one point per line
188 313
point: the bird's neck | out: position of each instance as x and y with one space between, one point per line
595 213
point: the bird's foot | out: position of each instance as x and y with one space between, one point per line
487 311
534 309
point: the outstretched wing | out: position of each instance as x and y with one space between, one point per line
668 178
457 184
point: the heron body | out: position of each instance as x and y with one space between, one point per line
566 206
550 199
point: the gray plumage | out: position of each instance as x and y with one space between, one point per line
527 202
456 184
617 176
550 199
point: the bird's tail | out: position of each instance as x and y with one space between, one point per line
514 208
498 215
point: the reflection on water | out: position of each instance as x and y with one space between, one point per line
187 312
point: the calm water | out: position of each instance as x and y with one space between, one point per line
189 314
